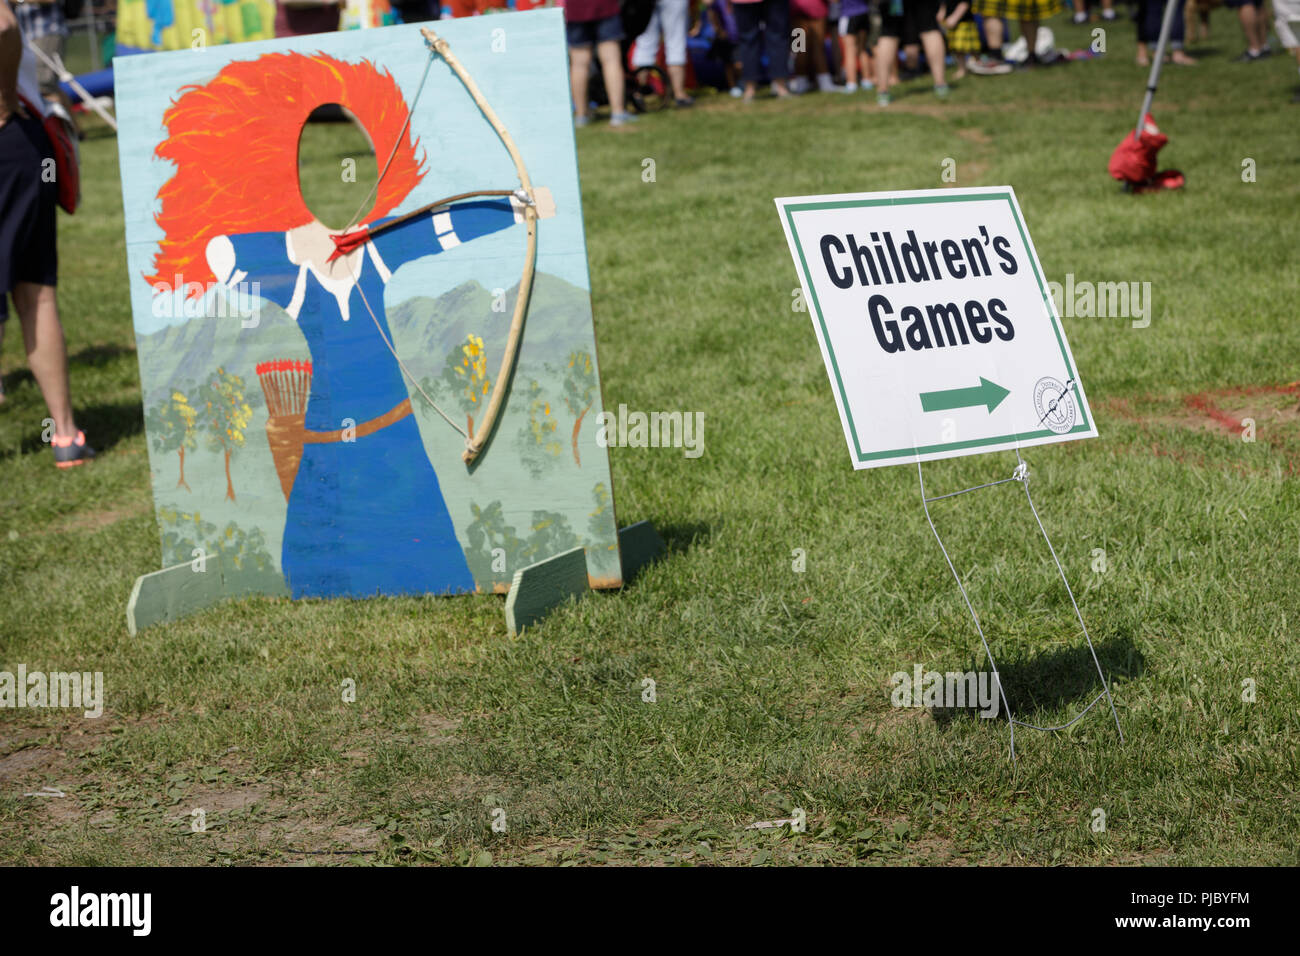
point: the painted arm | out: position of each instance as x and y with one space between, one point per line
446 227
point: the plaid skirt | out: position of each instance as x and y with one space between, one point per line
1018 9
964 38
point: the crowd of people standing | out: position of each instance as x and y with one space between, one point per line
848 46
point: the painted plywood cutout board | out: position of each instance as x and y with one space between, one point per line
285 437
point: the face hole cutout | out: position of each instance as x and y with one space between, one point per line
337 168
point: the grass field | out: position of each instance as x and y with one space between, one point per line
772 686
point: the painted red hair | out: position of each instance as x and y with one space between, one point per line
234 142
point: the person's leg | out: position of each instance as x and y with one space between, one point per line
1147 10
821 66
579 73
849 42
47 355
802 56
3 323
1247 15
645 48
611 67
866 68
1261 26
1178 35
932 41
993 36
749 25
674 18
1286 14
1029 30
886 55
776 33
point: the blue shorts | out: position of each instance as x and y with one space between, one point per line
587 32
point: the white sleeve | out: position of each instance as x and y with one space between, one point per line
221 258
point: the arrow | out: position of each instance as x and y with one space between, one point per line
985 393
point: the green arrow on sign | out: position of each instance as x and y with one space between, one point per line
985 393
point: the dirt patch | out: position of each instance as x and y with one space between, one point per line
27 764
441 730
1268 414
94 520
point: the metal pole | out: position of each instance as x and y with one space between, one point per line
1171 7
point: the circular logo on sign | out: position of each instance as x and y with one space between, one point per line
1054 404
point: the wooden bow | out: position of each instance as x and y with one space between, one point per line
476 442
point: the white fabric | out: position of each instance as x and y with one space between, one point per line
1286 12
670 18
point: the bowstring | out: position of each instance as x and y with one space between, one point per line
356 275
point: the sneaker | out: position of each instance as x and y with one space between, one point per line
942 91
1080 17
737 92
882 99
70 452
988 66
621 119
1248 56
685 102
580 121
798 84
1109 15
849 88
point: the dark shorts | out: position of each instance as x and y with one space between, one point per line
1243 3
28 251
586 32
919 16
852 26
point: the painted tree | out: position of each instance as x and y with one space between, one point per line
539 444
466 373
580 390
171 428
226 413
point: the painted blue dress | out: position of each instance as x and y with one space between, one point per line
365 517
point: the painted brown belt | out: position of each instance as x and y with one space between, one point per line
394 414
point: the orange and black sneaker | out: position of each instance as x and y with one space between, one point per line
70 452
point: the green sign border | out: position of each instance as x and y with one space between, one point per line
1083 425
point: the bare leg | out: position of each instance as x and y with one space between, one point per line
1261 28
932 40
850 59
677 77
611 64
886 56
993 33
1029 30
1246 14
579 71
47 355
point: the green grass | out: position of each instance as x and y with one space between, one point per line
772 686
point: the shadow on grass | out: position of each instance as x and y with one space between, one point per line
680 538
1039 685
97 356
